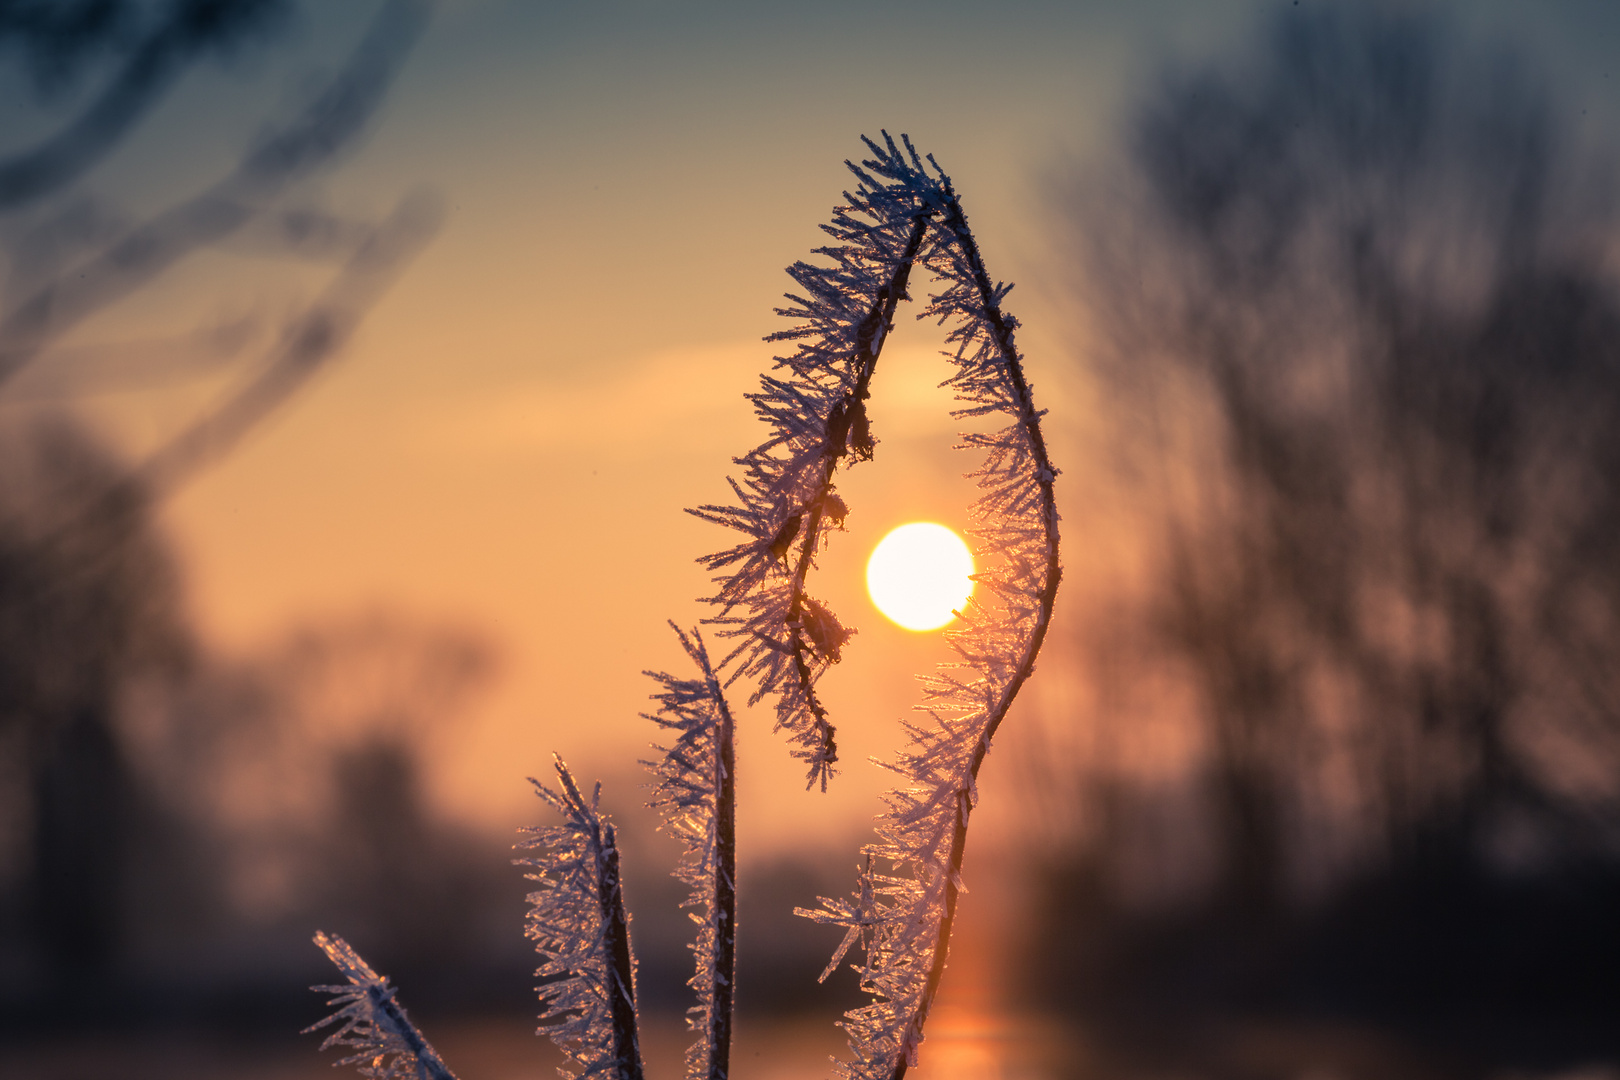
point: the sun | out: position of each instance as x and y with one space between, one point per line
918 575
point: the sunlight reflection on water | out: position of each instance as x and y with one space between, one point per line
966 1043
963 1043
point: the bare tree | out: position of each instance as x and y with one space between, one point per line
1364 324
87 593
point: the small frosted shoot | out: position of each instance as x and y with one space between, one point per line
578 925
385 1045
696 791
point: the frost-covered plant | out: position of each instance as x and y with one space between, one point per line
904 212
696 790
578 925
385 1044
903 918
817 413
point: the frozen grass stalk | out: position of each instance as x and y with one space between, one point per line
578 925
696 791
903 213
817 414
902 919
385 1044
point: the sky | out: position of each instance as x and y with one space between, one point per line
511 439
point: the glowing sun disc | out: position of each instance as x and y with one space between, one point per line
918 575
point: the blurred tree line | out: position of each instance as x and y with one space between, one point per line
174 823
1357 299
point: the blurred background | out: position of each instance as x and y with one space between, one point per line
357 363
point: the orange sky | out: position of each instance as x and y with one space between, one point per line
512 438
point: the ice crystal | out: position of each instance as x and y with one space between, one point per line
386 1044
696 791
578 925
902 918
815 404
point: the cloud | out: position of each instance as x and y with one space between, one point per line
677 400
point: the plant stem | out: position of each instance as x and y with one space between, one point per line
723 995
427 1060
616 934
955 221
869 344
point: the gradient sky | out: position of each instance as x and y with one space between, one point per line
512 437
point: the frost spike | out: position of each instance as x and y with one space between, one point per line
578 925
697 794
387 1045
818 417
